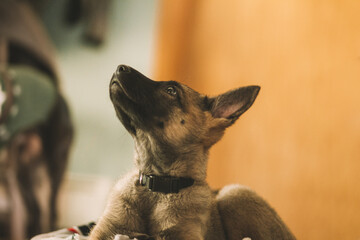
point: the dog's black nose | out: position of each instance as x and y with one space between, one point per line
123 69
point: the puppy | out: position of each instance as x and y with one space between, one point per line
167 196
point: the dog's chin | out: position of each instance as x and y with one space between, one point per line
121 102
119 90
126 121
115 88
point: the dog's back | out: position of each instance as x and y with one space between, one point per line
245 214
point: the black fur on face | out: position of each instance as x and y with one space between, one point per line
172 122
142 103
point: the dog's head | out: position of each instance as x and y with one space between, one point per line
172 118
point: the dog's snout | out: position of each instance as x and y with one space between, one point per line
123 69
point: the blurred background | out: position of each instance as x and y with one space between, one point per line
102 150
299 144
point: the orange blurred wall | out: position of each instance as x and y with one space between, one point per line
299 144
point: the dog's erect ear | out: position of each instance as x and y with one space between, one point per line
232 104
225 109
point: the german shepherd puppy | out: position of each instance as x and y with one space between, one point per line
167 196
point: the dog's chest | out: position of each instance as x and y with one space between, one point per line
174 210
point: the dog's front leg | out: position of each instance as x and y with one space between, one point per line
180 229
181 232
125 222
113 223
122 216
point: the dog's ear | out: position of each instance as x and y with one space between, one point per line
225 109
232 104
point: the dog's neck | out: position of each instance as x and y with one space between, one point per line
150 158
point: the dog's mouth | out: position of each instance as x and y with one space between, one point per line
114 82
116 87
122 101
120 89
133 96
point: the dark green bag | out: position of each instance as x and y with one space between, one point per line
26 99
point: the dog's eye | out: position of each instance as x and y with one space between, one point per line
171 91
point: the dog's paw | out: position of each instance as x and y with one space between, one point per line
135 236
121 237
142 237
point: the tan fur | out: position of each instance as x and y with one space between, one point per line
186 132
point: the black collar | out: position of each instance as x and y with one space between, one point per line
164 184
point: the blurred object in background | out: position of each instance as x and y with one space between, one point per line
299 145
93 14
86 71
102 148
82 198
35 127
